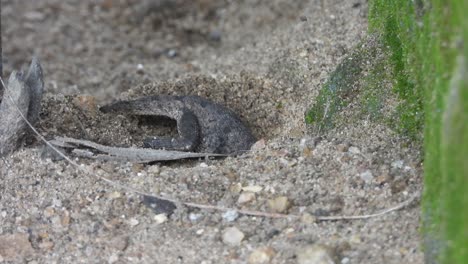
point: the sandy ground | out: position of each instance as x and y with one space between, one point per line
264 59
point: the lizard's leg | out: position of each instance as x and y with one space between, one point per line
214 143
189 135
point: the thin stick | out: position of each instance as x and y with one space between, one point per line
357 217
196 205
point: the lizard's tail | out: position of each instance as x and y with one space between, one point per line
153 105
141 106
118 107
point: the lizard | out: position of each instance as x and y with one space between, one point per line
202 125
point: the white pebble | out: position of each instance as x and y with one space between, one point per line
315 254
252 188
398 164
367 176
354 150
246 197
194 217
230 215
160 218
232 236
133 222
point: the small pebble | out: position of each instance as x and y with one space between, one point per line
160 218
235 188
137 167
195 217
46 245
119 243
355 240
315 254
259 145
15 247
230 215
308 219
261 255
307 152
342 147
171 53
86 103
398 164
114 195
232 236
65 221
113 258
252 188
246 197
354 150
155 169
133 222
215 35
367 176
49 211
140 69
382 179
57 203
398 185
280 204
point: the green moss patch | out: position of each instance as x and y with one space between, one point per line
337 92
419 87
357 89
428 44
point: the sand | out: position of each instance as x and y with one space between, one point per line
265 60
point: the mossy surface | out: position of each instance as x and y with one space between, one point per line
357 85
337 92
425 58
429 57
397 22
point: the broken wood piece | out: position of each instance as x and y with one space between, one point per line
89 149
21 103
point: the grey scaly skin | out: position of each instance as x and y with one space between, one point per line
23 93
203 126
